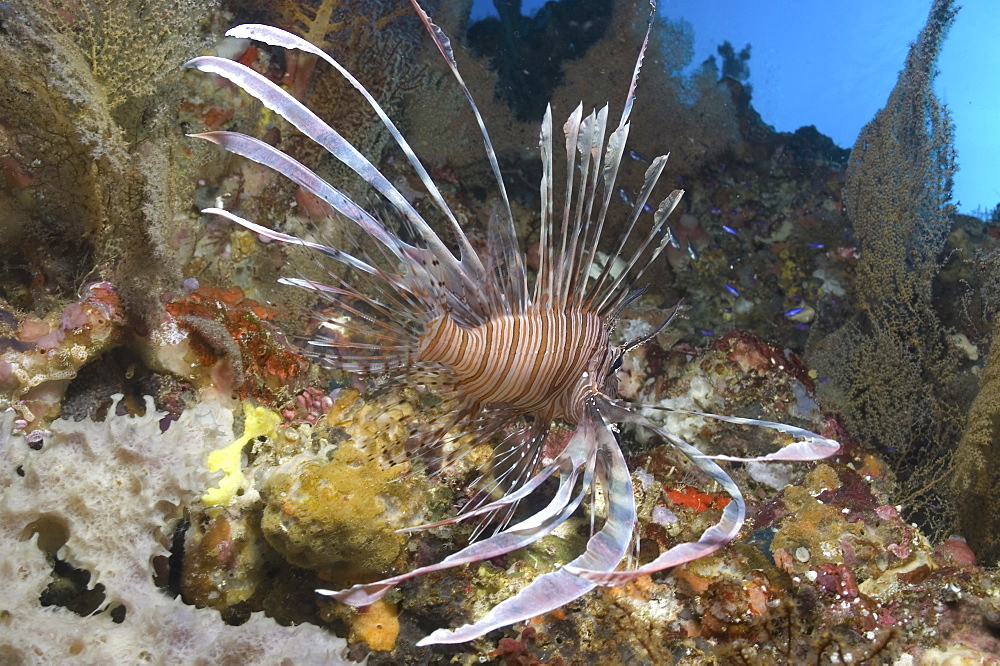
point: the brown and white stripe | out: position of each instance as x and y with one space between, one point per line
541 362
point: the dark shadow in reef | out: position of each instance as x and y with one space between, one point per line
527 52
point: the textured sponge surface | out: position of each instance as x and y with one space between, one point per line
104 496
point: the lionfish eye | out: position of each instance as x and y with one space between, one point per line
617 365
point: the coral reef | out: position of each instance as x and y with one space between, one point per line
896 370
166 536
90 149
104 497
320 502
233 338
41 357
827 569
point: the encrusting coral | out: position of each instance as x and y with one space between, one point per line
41 356
317 503
104 497
338 516
327 499
235 338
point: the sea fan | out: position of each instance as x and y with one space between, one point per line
517 358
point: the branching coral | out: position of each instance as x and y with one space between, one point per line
375 39
898 191
317 23
894 374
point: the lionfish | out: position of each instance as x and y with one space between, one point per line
516 356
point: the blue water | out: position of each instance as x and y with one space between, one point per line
832 65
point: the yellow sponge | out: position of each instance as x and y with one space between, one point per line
258 421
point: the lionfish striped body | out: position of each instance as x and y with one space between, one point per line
540 362
417 310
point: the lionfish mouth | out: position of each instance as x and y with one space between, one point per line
472 321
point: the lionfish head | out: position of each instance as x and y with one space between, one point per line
467 322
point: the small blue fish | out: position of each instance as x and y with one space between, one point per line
732 290
637 156
693 253
674 242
